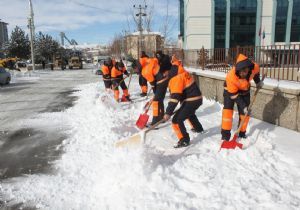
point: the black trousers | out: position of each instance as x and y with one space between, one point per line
160 91
107 84
243 102
186 112
142 81
117 81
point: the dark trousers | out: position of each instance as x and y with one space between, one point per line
228 113
186 112
107 84
160 91
119 82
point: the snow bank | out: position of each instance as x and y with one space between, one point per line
93 174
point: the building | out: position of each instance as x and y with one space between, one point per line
151 42
3 34
231 23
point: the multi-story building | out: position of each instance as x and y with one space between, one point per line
230 23
151 42
3 33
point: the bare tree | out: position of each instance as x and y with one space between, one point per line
168 25
148 21
116 46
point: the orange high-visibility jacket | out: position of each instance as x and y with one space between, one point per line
105 72
150 70
115 72
182 88
234 84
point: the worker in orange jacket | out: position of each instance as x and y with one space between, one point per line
142 81
106 73
118 80
159 82
183 89
237 90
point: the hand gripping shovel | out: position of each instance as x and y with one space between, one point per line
143 118
232 144
137 138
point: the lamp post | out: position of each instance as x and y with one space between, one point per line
140 15
32 33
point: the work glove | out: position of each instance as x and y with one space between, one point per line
166 117
126 73
260 85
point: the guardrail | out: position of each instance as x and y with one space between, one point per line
281 61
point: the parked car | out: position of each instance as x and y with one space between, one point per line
5 76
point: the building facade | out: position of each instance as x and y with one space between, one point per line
3 34
151 42
231 23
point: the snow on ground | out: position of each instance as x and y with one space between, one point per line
93 174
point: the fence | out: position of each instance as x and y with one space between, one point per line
281 61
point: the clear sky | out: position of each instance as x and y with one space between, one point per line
87 21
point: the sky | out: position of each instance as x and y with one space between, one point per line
86 21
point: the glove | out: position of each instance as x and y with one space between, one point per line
166 117
126 73
260 85
246 109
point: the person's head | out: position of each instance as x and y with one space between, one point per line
135 65
120 65
158 54
244 72
108 61
143 54
243 66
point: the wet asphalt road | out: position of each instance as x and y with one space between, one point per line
28 150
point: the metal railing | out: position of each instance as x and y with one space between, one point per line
281 61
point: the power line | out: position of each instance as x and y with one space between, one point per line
94 7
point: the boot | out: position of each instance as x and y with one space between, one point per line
242 135
184 142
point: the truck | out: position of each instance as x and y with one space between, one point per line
75 60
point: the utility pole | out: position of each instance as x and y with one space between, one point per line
32 33
140 16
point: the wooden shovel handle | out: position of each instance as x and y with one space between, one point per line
250 106
154 126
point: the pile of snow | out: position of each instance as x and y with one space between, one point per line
93 174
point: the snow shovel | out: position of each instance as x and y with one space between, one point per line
130 76
117 86
232 144
143 118
137 138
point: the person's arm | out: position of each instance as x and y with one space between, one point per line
176 91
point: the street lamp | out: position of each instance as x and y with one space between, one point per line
32 33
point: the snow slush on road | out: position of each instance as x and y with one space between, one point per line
93 174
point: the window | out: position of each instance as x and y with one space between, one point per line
295 29
220 23
281 18
242 22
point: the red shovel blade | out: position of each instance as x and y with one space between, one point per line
232 144
142 121
124 99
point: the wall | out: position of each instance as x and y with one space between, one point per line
198 24
276 105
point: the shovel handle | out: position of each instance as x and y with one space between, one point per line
154 126
147 105
250 106
121 82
